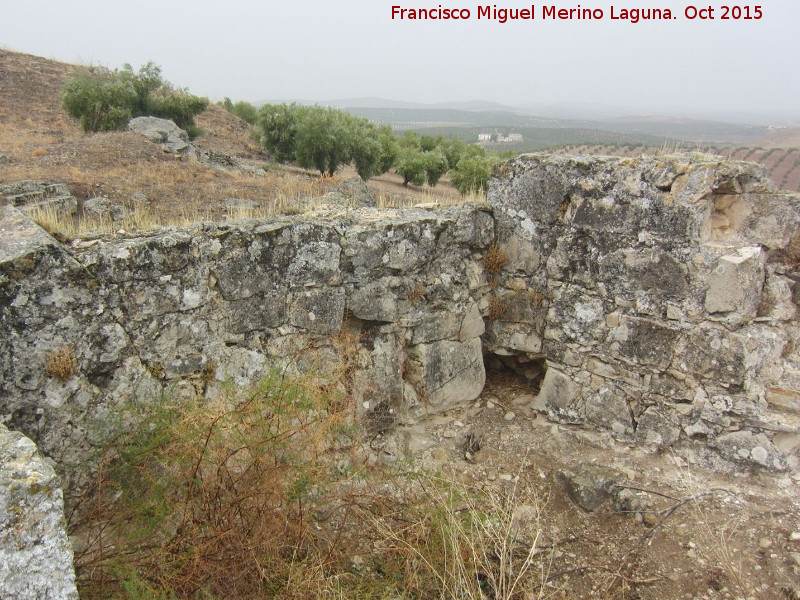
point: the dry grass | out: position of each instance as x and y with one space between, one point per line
41 142
241 497
450 540
495 259
418 292
61 363
497 308
536 298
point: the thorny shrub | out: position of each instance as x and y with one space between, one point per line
209 498
238 498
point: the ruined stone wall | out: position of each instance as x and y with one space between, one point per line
655 296
662 296
92 326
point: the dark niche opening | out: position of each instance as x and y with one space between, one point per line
523 371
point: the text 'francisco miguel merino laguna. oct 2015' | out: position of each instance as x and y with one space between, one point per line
555 13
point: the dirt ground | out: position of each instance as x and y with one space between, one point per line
683 532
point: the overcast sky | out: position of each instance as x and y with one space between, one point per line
324 50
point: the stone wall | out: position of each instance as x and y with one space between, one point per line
661 295
655 296
89 327
655 299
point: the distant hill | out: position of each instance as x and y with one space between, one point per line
631 129
781 138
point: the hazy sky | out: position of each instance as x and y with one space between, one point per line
322 50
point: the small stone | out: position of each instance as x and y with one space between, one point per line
509 416
650 519
795 558
439 454
795 536
760 455
506 477
523 400
765 543
590 487
489 404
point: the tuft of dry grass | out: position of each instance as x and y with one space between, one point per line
495 259
418 292
536 297
61 363
497 308
446 539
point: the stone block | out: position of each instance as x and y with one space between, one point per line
644 341
658 426
736 283
472 324
784 399
715 354
446 372
559 394
317 310
749 447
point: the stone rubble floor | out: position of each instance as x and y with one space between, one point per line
732 534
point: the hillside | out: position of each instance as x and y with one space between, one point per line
39 141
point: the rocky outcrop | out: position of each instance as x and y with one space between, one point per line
29 195
660 295
35 552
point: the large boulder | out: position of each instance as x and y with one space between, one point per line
162 131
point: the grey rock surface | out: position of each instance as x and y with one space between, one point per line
164 132
103 208
654 285
590 487
35 552
147 315
29 195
